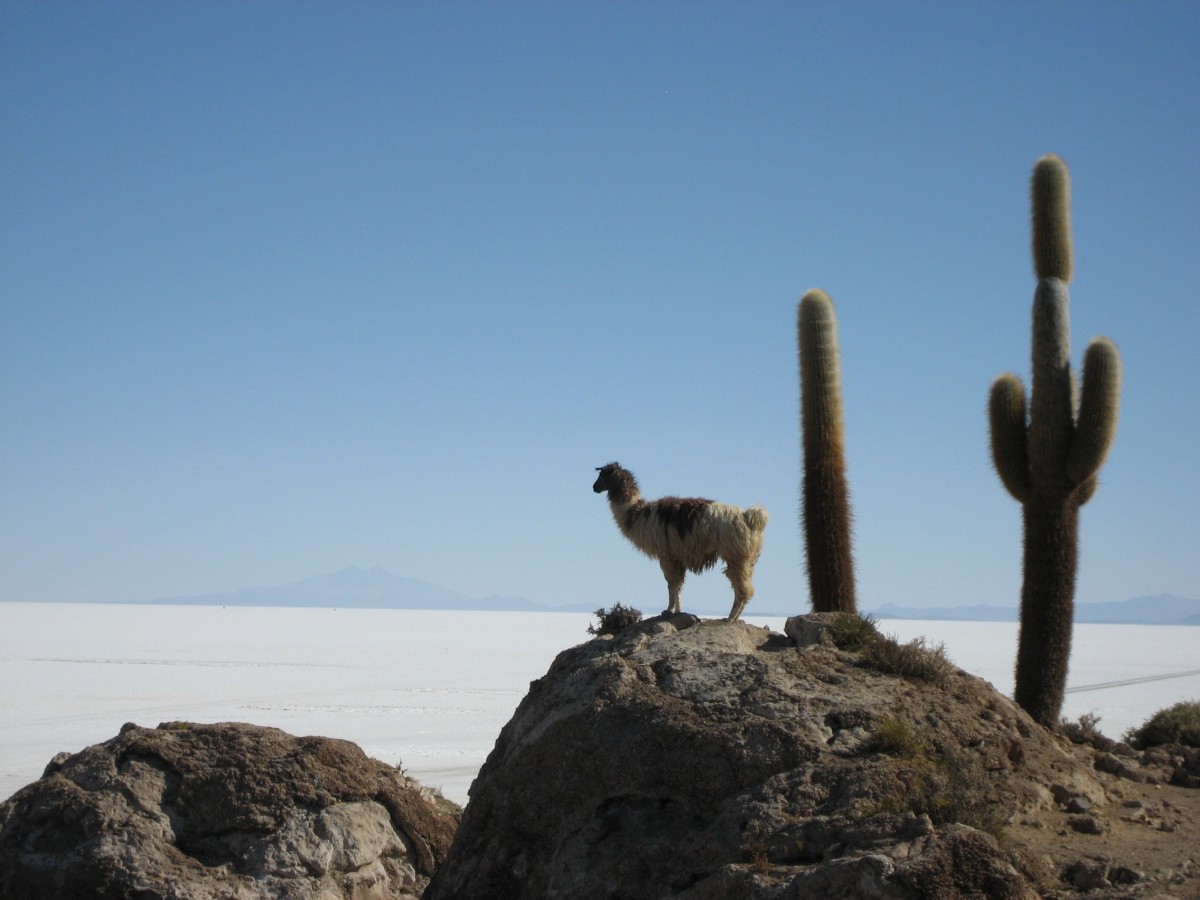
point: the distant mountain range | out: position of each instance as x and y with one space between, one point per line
378 589
364 589
1161 609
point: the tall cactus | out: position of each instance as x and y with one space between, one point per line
826 506
1048 458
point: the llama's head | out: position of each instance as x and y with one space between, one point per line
619 482
606 479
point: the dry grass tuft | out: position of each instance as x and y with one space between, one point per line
913 659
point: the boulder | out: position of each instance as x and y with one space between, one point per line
221 811
711 760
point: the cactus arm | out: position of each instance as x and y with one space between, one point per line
1085 491
1006 418
1098 407
1051 204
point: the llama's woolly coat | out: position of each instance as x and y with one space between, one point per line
693 531
687 534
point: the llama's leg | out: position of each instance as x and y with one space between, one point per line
741 577
674 573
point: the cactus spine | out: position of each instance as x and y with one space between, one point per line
826 498
1048 458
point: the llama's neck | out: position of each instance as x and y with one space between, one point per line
625 499
622 488
622 505
622 497
625 496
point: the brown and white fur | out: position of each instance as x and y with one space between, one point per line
687 534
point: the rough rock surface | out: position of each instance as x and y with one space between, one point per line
705 760
221 811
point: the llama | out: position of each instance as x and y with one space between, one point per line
687 534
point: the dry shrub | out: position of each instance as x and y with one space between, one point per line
852 631
1085 730
962 796
951 788
614 620
755 846
913 659
896 737
1178 724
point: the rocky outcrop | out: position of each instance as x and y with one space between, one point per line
221 811
678 759
702 760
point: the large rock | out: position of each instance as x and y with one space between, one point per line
221 811
710 760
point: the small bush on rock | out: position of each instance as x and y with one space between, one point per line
614 620
756 846
914 659
852 631
897 738
1178 724
1081 731
951 788
1085 730
960 794
856 633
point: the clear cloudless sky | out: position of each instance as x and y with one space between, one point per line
292 286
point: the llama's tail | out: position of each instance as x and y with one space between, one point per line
755 518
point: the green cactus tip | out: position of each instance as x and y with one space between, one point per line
1051 193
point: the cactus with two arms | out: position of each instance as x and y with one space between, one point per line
1048 451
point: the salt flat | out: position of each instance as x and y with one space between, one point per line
423 689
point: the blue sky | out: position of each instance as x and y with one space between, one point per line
288 287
